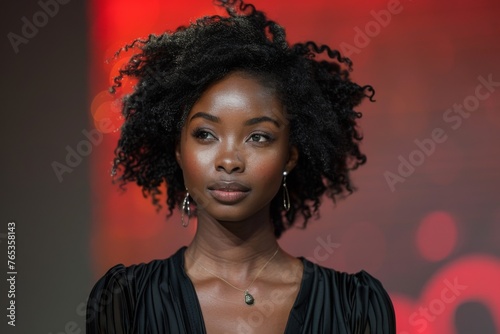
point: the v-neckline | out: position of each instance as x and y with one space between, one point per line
293 316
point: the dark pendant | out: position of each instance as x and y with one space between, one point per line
249 298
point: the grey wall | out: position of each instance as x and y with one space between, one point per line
44 109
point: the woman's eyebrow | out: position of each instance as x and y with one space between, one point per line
257 120
205 116
249 122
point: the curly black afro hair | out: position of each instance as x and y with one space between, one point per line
174 69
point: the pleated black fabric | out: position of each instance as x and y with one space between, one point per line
159 297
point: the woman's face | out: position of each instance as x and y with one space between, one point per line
234 148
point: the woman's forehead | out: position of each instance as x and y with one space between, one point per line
239 94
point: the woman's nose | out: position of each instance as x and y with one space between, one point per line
229 159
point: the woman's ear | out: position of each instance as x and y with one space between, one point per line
178 154
293 157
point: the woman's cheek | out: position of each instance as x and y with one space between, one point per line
269 169
196 163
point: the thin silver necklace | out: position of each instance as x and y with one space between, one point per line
249 299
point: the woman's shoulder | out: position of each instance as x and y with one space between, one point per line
359 296
141 273
116 294
125 283
361 280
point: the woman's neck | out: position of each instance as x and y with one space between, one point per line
241 245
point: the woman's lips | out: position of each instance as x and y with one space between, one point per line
228 196
228 192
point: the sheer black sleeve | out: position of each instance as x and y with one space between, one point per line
372 311
111 303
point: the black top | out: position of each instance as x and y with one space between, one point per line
159 297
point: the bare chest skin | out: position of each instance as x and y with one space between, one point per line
224 309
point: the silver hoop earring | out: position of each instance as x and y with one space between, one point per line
186 209
286 197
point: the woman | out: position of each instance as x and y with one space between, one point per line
248 133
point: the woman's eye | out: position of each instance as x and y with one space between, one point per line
259 138
203 135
